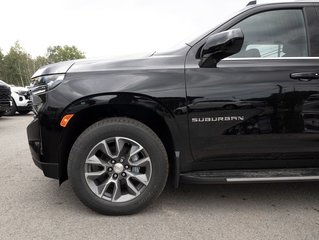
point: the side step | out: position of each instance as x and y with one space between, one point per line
251 175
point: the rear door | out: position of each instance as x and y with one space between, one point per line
259 108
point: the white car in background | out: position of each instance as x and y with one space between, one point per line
21 101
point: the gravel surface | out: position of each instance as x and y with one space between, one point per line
35 207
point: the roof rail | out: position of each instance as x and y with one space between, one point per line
252 3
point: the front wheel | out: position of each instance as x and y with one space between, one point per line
118 166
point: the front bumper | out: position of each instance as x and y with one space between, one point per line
25 108
50 170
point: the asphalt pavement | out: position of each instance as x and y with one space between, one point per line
35 207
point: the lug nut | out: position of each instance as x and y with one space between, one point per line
123 174
110 169
115 175
113 161
121 160
126 166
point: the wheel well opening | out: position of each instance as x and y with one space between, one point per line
87 117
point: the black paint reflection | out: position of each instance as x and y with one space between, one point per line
310 114
282 113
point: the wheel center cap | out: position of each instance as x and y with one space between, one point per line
118 168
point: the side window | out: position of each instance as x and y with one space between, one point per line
274 34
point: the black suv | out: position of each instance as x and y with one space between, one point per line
239 103
5 98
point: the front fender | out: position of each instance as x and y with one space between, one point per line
91 109
109 104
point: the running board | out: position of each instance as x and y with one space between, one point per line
251 176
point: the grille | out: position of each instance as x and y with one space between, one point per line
27 95
5 93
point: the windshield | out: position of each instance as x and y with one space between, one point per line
196 35
194 40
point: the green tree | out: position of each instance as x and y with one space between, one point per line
1 64
17 66
39 62
59 53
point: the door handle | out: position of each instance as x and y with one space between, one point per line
305 76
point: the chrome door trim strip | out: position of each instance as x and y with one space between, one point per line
272 179
279 58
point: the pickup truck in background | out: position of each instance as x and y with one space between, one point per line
21 101
5 98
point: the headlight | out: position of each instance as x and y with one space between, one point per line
45 83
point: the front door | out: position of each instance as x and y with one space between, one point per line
260 107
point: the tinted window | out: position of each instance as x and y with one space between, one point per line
273 34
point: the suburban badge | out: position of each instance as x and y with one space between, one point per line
218 119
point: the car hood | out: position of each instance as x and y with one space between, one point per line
4 83
163 60
56 68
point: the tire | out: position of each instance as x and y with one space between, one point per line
1 114
24 112
148 177
12 110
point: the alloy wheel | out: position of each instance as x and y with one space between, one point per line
118 169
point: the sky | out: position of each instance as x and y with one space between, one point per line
109 28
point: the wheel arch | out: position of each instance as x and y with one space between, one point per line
144 109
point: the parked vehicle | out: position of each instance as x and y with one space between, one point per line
118 129
5 98
21 101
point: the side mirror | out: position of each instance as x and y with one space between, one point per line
220 46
